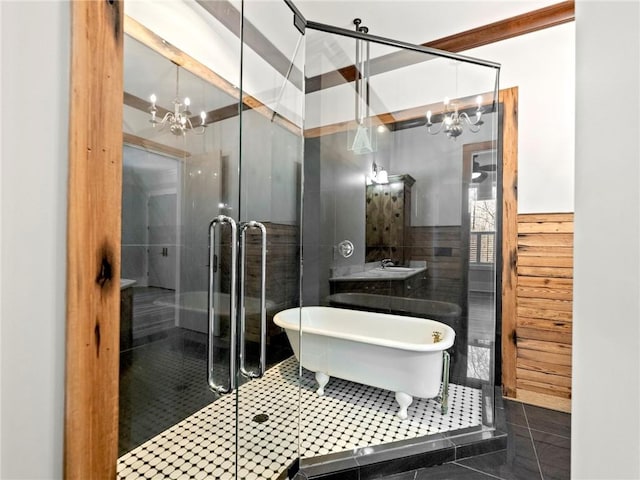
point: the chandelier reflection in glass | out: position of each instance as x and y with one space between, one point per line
177 121
454 121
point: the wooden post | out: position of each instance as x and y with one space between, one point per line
509 101
93 236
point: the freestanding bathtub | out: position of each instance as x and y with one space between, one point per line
403 354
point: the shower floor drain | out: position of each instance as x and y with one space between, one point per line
261 418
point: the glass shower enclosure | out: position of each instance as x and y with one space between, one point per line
401 178
273 166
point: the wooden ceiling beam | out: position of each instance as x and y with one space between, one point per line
142 105
400 119
546 17
146 144
230 17
529 22
535 20
142 34
215 115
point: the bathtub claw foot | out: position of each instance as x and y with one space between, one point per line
404 401
322 379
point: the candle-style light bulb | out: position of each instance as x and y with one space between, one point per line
428 116
152 109
479 100
187 102
203 116
446 100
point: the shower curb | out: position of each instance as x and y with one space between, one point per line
408 455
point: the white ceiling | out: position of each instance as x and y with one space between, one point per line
147 72
411 21
416 21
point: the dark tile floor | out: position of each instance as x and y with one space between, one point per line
539 447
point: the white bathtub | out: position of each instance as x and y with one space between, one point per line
391 352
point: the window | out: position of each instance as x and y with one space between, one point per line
482 209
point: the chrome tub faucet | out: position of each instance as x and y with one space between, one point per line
386 262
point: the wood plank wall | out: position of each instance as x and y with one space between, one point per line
544 309
283 273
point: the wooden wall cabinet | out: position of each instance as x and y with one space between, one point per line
388 219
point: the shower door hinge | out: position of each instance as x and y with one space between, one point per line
298 19
300 23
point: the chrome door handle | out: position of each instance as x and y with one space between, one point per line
220 220
263 310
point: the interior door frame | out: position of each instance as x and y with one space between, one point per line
93 240
507 276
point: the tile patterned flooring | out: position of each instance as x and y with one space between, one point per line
161 383
538 448
348 416
539 440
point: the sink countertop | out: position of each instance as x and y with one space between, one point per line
379 274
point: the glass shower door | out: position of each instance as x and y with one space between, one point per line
178 177
203 368
269 237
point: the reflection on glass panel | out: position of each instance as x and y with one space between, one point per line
177 175
395 221
420 215
193 154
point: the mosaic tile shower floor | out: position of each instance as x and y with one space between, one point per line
348 416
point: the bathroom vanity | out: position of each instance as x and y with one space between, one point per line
407 282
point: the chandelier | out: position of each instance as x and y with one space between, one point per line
454 121
177 121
